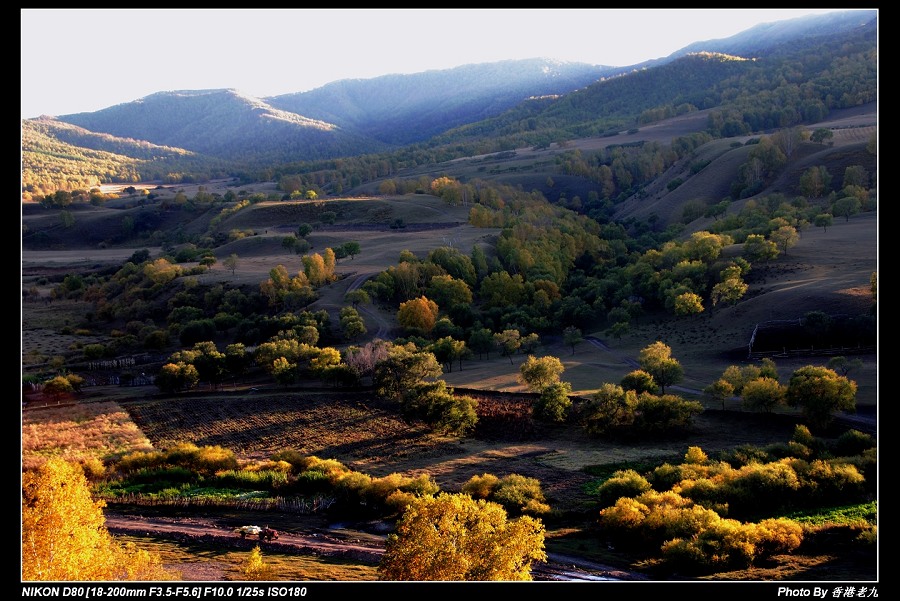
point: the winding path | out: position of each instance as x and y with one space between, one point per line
383 325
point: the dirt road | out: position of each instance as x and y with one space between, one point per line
557 568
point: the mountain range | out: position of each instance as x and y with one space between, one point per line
478 107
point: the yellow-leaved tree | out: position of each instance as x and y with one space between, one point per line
456 537
255 568
64 535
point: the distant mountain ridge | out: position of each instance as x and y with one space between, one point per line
403 109
550 99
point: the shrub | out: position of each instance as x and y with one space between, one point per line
853 442
778 535
623 483
352 486
554 403
481 487
705 492
520 494
397 502
421 486
140 460
380 489
269 480
312 481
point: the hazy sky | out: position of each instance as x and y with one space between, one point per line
78 60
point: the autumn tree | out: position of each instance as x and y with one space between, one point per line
319 269
362 360
64 535
656 359
453 537
448 291
175 377
418 314
255 567
57 387
819 392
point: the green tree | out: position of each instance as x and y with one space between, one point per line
572 336
639 381
351 248
210 363
481 341
720 391
823 220
357 297
730 291
821 135
237 360
856 175
538 373
763 394
656 359
447 350
230 262
609 409
819 392
688 303
846 207
437 405
785 237
757 248
554 402
843 365
455 537
352 323
508 341
403 367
